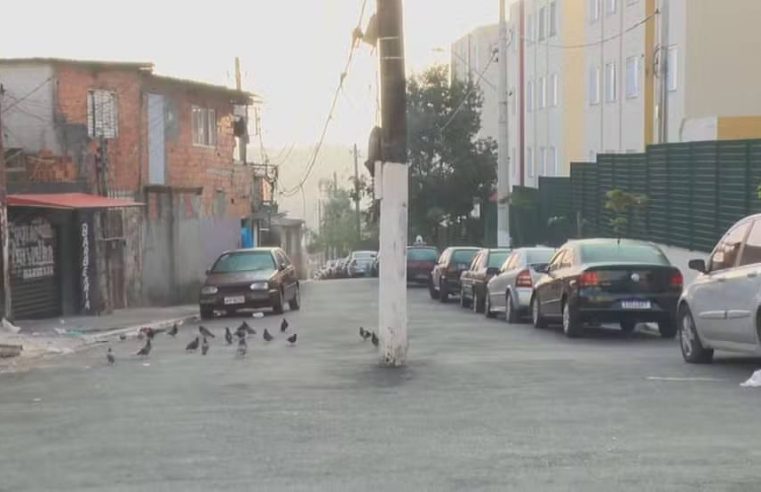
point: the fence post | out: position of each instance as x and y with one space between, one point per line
690 197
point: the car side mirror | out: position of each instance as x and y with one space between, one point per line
492 271
542 268
698 264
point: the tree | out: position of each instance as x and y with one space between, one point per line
622 203
449 167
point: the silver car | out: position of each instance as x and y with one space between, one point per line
510 291
721 309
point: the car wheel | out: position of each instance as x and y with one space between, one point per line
667 328
277 303
628 326
443 293
689 340
431 290
463 300
511 314
295 303
207 312
479 302
536 312
571 325
487 309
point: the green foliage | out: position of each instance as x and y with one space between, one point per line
338 227
622 203
449 167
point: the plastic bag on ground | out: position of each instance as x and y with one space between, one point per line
754 381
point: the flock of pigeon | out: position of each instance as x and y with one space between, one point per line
202 340
365 334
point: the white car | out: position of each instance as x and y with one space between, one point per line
510 290
721 309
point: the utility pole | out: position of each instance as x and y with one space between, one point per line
663 110
503 142
392 172
238 84
5 278
356 196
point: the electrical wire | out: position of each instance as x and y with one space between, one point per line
470 92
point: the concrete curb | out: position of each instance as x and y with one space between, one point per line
132 331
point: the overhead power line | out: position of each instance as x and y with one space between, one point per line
470 92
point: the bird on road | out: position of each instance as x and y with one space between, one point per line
192 345
122 336
204 346
242 346
374 339
148 332
110 357
292 339
202 329
365 334
143 352
267 337
283 325
228 336
173 330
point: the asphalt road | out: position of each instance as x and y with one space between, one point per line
482 405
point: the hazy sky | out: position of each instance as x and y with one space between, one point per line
292 51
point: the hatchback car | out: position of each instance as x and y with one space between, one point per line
510 291
420 263
608 280
250 278
445 276
721 309
473 281
360 263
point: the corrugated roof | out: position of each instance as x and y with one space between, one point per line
68 201
93 63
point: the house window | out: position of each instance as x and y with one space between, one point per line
553 97
530 96
611 6
610 82
102 114
542 23
542 92
553 18
513 163
530 161
672 68
204 127
552 161
530 28
541 158
594 10
632 77
594 85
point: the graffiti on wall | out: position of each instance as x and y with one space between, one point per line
85 229
32 247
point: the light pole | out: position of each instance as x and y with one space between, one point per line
503 140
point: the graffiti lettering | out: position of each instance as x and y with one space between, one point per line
85 266
32 249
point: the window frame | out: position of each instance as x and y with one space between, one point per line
553 19
594 8
553 88
611 6
96 111
542 91
530 160
611 82
530 96
542 23
593 86
204 127
745 223
632 89
672 68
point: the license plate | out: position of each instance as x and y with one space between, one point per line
635 305
235 300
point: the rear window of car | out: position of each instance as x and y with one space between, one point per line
463 256
539 256
422 254
363 255
624 252
244 262
497 258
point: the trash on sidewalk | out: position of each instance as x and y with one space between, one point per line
10 327
10 350
754 381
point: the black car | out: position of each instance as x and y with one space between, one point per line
445 276
250 278
607 280
484 266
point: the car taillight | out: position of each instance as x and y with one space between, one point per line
589 279
523 279
677 281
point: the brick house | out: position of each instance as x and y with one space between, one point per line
118 130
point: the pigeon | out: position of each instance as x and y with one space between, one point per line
202 329
283 325
110 357
362 333
267 336
192 345
228 336
122 336
242 347
143 352
374 339
204 346
148 332
292 339
173 331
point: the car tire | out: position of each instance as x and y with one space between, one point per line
667 328
207 312
463 299
571 324
689 340
536 313
628 326
443 293
479 303
511 314
487 310
295 303
431 290
277 303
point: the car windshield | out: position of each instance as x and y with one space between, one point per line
622 253
248 261
497 258
422 254
463 256
539 256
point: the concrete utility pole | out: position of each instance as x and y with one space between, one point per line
663 118
356 195
392 174
5 270
503 142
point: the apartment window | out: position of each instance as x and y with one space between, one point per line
541 158
553 97
594 10
632 76
552 161
513 162
542 23
553 18
672 68
102 114
542 92
610 82
611 6
204 127
530 161
530 96
530 28
594 85
511 99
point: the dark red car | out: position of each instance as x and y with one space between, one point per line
420 262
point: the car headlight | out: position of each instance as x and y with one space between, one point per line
209 289
258 286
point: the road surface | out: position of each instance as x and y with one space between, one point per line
482 405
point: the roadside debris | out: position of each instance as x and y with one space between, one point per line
754 381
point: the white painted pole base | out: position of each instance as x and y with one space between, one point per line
392 298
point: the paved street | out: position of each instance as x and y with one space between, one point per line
481 405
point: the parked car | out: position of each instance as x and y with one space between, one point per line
360 263
510 291
420 263
445 276
608 280
250 278
473 281
721 309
